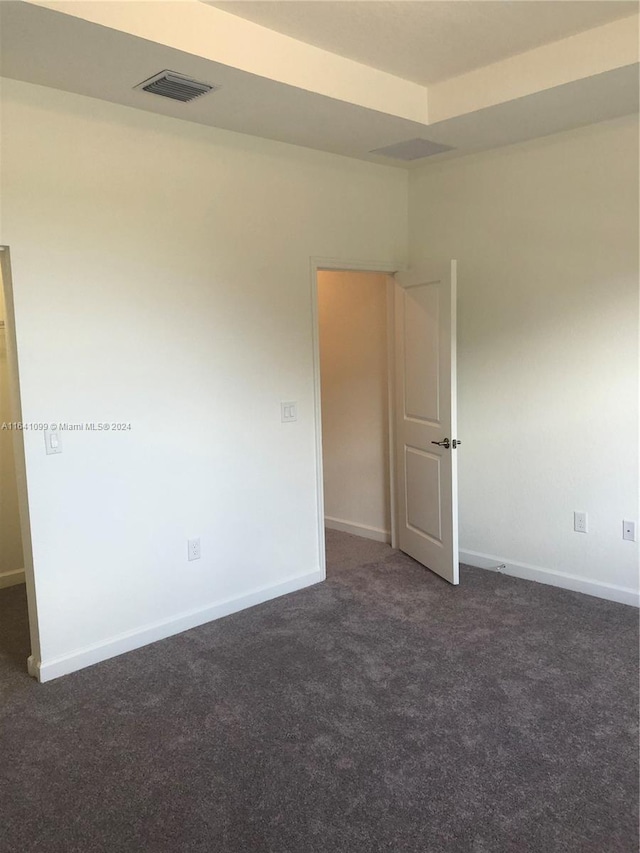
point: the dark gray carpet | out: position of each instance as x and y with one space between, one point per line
380 711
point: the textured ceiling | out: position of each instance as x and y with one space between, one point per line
428 40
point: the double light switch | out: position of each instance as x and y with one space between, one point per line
289 412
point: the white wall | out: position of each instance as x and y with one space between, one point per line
161 276
11 559
352 312
546 235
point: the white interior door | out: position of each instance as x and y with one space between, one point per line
425 418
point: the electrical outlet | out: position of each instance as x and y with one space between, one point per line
193 549
629 531
580 524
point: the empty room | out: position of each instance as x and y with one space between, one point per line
319 426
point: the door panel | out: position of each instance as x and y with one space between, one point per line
423 493
426 473
421 355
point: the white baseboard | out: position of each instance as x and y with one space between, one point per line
11 578
364 530
46 670
575 583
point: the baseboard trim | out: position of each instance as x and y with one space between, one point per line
575 583
364 530
46 670
11 578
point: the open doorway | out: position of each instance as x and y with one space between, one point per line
386 409
353 337
18 625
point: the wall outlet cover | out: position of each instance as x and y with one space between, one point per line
580 522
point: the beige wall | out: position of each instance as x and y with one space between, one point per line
11 560
352 310
546 236
161 277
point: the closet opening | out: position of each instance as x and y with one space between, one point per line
18 622
354 342
385 400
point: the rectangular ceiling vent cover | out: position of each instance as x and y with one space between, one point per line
412 149
170 84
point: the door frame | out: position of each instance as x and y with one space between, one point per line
337 265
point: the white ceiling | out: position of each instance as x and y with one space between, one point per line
278 88
427 41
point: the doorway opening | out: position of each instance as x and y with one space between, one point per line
18 637
355 383
388 472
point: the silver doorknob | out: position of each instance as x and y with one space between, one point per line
444 443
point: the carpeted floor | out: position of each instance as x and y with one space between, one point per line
380 711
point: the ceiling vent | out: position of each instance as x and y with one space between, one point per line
169 84
412 149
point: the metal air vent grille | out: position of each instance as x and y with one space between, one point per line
170 84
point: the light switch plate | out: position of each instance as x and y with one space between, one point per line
289 411
52 442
